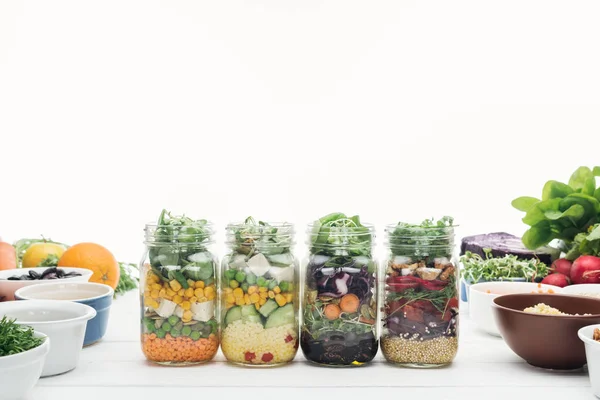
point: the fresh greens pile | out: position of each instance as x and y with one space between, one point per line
586 243
564 211
15 339
129 278
177 249
252 237
476 268
430 237
336 230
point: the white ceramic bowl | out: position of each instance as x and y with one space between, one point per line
8 288
20 372
63 322
592 354
592 289
482 295
96 295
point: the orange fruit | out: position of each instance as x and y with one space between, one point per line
95 258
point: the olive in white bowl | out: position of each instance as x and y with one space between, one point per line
13 279
20 372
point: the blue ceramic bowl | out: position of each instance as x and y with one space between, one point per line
95 295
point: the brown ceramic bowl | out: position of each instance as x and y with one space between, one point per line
546 341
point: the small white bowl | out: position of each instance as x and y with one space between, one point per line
20 372
585 289
592 354
8 288
63 322
482 295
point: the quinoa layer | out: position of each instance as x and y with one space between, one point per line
249 342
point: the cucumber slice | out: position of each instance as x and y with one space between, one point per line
252 318
234 314
249 310
268 308
282 316
281 260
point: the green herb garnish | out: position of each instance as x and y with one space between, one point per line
260 237
429 238
476 268
129 278
15 339
337 234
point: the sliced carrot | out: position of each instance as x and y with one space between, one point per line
349 303
332 312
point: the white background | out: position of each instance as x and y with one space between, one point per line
288 110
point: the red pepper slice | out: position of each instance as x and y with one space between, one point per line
267 357
434 285
288 338
249 356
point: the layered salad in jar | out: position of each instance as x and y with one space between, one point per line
340 301
420 311
179 296
259 294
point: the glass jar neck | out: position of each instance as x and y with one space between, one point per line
418 241
340 241
169 235
262 237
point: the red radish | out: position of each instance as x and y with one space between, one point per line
586 269
556 279
562 266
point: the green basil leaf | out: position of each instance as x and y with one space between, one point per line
524 203
537 213
575 212
589 186
577 180
538 235
594 234
596 171
555 189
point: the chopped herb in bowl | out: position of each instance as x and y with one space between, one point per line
15 339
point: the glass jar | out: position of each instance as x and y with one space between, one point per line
340 293
259 292
178 292
420 311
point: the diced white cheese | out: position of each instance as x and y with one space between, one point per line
238 261
429 274
203 311
282 274
166 308
200 257
179 311
401 260
259 265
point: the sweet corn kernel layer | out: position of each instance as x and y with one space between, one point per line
239 338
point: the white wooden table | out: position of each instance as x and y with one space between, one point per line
485 368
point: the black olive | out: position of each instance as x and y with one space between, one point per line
34 275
